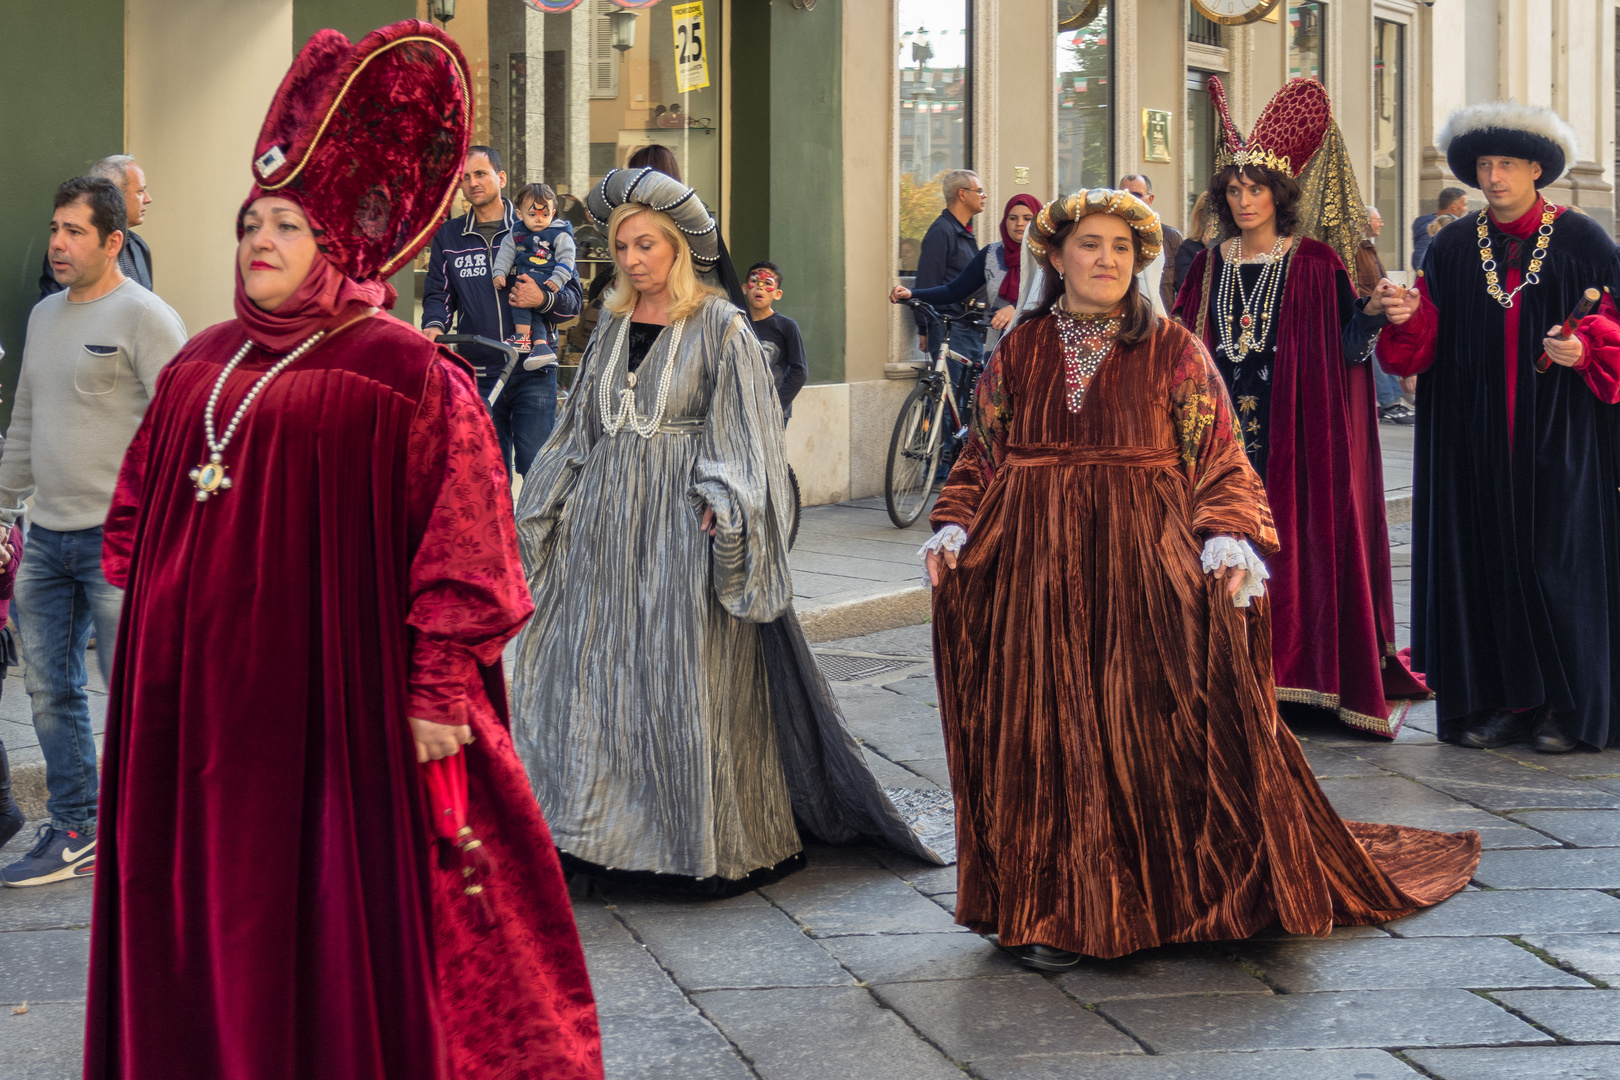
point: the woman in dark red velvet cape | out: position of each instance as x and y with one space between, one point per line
269 901
1332 600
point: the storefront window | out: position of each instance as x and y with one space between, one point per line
933 54
1085 93
564 96
1200 139
1389 149
1307 51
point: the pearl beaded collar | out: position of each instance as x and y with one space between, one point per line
614 421
210 476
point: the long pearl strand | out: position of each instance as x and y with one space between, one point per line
216 446
614 422
1265 291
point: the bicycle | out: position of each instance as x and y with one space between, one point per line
919 431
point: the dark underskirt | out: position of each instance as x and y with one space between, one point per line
710 888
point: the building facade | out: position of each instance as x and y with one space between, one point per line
816 130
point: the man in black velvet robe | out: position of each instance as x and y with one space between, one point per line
1516 493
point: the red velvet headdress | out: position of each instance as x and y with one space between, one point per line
1287 135
369 139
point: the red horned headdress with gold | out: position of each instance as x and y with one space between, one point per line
1296 135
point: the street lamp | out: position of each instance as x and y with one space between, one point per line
623 24
444 10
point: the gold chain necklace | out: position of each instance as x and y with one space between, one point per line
1487 259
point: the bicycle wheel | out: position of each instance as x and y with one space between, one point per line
793 530
910 473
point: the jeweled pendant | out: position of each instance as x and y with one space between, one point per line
1245 321
630 380
210 478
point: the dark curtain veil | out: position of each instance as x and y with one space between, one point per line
1012 251
325 298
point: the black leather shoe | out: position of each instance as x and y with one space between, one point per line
1046 958
1500 728
1550 738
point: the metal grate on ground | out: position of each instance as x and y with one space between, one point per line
856 668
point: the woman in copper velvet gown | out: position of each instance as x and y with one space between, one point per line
1121 778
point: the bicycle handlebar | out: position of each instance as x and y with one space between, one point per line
489 343
971 315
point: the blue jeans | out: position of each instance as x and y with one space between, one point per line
60 597
524 414
1387 386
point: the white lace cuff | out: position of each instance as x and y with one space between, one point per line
1224 551
950 538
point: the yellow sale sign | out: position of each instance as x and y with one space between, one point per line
691 52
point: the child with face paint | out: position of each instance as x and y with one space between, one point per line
778 334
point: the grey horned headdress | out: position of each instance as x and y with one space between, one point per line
658 191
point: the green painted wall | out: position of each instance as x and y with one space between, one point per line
787 191
63 92
354 18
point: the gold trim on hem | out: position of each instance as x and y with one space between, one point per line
1331 701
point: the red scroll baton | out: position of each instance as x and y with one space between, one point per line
1589 301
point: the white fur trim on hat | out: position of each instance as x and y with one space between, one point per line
1537 120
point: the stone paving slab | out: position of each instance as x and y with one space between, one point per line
681 1046
47 907
973 1020
1263 1065
1597 955
849 901
1521 1063
1477 914
1567 868
1328 763
1487 780
1169 971
1583 828
889 958
1395 800
45 1043
629 982
737 948
823 1033
1354 1019
1577 1015
1308 965
48 965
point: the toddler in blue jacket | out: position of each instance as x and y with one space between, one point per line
540 248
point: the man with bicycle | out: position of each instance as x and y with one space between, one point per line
947 249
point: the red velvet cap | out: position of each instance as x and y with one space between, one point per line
1289 132
370 140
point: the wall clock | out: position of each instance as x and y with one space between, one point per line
1235 12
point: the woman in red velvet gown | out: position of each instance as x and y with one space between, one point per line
1121 778
316 535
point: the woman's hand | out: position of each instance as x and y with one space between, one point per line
435 740
708 524
1397 306
1563 351
1234 577
938 562
899 293
1003 318
5 546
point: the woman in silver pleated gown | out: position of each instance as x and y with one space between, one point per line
666 704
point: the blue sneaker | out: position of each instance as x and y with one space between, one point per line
57 855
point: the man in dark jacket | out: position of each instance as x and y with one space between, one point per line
461 292
135 258
1453 201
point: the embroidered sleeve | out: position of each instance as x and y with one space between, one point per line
984 449
1408 349
1202 412
468 595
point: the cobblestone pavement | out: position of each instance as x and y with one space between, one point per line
853 967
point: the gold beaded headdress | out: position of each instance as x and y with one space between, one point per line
1121 204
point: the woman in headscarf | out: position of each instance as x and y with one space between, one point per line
995 270
672 718
1103 644
306 713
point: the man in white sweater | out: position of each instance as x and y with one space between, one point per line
90 365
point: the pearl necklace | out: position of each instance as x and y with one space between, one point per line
1487 260
210 476
1085 340
614 422
1265 291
